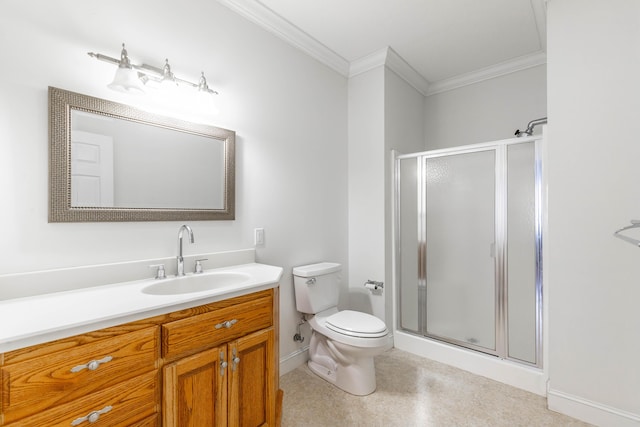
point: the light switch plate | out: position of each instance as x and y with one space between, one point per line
258 237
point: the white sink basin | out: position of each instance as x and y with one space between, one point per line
196 283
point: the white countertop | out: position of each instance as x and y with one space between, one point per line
37 319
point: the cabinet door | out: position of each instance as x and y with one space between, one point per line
252 380
195 390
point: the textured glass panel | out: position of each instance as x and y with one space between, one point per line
460 248
409 307
521 252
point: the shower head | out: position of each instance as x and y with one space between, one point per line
530 126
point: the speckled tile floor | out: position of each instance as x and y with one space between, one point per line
413 391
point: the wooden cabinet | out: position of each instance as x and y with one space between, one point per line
233 383
228 385
211 365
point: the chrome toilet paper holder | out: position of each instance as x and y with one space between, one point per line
373 285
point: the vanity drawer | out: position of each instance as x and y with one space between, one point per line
130 403
32 385
201 331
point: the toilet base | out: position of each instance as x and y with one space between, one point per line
355 375
349 379
321 371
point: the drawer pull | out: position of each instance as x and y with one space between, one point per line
227 324
92 365
92 417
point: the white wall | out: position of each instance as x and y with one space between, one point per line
366 189
385 113
289 112
593 152
486 111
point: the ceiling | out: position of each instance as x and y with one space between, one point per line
434 44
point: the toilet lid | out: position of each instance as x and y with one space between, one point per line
356 324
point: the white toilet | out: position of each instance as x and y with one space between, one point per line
343 343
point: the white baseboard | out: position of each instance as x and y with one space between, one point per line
589 411
514 374
293 360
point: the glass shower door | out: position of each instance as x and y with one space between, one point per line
469 247
460 233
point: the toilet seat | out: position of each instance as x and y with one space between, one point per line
356 324
319 324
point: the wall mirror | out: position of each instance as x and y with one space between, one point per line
112 162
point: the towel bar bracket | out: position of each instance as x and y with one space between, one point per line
634 224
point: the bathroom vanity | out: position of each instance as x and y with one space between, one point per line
195 358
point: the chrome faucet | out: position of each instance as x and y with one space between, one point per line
180 259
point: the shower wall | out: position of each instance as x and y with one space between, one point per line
469 247
489 110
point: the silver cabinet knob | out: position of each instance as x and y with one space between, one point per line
227 324
92 417
92 365
223 364
235 360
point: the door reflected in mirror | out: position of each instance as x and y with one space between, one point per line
119 163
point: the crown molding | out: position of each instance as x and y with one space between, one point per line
369 62
539 8
259 14
507 67
390 58
401 67
264 17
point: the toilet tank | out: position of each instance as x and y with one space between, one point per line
317 286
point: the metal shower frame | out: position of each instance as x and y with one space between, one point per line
501 306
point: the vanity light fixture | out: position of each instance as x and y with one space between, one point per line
126 78
168 78
133 78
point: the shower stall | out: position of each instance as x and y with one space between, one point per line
468 247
